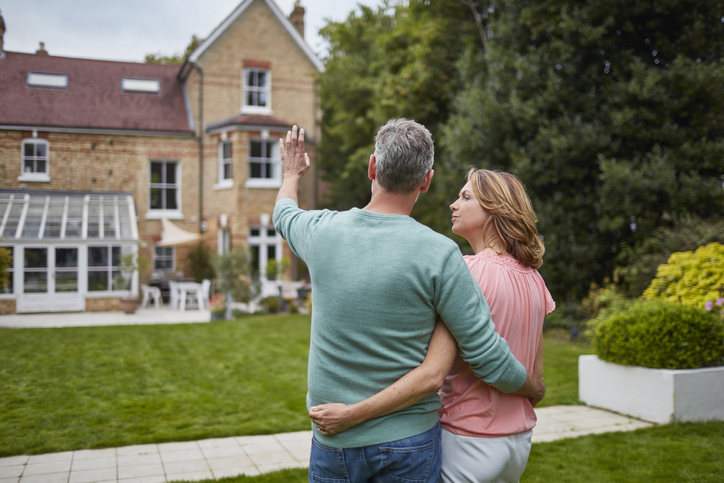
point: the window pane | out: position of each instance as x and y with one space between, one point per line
9 287
261 99
66 258
109 218
261 78
170 173
250 78
74 223
156 172
156 199
116 256
66 281
251 98
97 281
171 199
268 170
55 217
36 258
125 219
254 259
40 166
271 232
28 150
29 166
255 170
36 282
254 232
256 149
227 150
97 256
94 219
227 171
40 150
271 252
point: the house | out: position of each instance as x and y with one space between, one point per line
101 159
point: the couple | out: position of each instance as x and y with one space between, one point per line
395 306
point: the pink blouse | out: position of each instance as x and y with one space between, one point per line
518 300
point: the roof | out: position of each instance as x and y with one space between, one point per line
228 21
93 98
250 121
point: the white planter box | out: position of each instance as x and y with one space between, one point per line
656 395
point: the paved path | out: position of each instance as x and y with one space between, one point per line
147 316
248 455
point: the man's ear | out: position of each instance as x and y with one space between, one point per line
372 168
426 181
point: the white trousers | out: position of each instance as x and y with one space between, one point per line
467 459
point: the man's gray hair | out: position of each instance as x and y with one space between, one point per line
404 154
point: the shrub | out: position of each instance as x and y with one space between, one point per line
661 335
271 304
690 278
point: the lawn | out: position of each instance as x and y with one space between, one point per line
94 387
675 452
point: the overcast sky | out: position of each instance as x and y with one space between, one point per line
129 29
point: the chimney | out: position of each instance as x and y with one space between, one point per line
2 35
41 50
297 18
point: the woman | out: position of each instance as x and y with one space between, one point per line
487 434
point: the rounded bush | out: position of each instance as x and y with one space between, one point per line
661 335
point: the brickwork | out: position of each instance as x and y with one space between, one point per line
7 307
106 304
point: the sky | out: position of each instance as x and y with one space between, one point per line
129 29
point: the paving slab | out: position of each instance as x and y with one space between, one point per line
247 455
164 315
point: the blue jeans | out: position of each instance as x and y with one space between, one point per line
410 460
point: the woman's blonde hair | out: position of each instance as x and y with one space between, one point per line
512 218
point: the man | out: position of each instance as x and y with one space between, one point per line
379 282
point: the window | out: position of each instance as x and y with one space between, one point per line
257 90
140 85
163 259
264 159
34 160
42 79
10 271
103 268
264 245
164 185
225 164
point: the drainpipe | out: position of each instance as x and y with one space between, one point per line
201 144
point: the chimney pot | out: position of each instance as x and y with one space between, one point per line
41 50
2 35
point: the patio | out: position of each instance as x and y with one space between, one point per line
163 315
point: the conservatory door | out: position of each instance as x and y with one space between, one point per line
50 281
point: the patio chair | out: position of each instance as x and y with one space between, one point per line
151 293
173 294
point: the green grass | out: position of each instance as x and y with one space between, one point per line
675 452
560 370
94 387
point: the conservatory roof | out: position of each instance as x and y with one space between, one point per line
57 215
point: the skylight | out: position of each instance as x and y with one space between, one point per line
43 79
140 85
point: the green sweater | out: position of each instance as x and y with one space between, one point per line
379 283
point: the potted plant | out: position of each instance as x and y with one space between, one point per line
234 279
217 306
657 361
129 263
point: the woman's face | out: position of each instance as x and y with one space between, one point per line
468 217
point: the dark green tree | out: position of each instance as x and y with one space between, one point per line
177 58
610 113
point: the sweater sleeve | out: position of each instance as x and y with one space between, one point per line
461 304
292 224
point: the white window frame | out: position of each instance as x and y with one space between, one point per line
86 269
158 213
167 257
225 183
276 180
263 241
34 177
246 89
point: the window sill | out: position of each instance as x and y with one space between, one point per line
263 183
224 185
168 214
34 178
256 110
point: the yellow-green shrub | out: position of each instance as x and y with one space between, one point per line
661 335
690 278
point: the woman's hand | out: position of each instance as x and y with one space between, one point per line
332 418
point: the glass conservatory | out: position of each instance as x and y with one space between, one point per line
66 247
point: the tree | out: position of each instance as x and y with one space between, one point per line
177 58
394 62
608 110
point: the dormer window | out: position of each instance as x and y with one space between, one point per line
256 84
152 86
44 79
